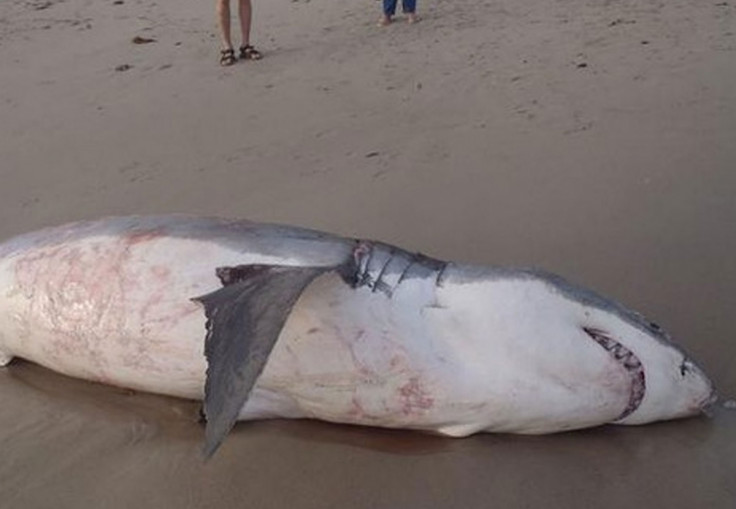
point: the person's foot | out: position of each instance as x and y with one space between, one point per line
248 52
384 21
412 18
227 57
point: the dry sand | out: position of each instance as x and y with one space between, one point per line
596 139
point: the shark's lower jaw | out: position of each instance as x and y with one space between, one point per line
629 362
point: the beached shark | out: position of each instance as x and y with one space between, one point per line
268 321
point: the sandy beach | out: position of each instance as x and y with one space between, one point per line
594 139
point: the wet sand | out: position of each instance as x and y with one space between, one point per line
595 140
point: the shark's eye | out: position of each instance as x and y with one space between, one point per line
685 368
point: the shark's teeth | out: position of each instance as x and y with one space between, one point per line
629 361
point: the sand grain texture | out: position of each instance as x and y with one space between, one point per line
592 138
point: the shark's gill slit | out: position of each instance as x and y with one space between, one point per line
629 361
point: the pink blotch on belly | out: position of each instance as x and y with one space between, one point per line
414 398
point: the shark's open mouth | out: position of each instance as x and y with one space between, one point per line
629 362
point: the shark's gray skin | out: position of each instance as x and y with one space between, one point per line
265 321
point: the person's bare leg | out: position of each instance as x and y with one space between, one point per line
223 16
227 54
245 12
246 15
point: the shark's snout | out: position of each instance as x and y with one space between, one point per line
710 399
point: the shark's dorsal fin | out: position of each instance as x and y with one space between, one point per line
244 320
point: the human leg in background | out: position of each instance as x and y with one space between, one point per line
389 9
410 8
247 51
227 55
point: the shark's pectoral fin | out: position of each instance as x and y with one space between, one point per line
244 320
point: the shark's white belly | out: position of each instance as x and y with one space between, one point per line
356 356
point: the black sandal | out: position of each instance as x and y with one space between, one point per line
248 52
227 57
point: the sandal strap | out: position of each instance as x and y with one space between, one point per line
227 56
249 50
